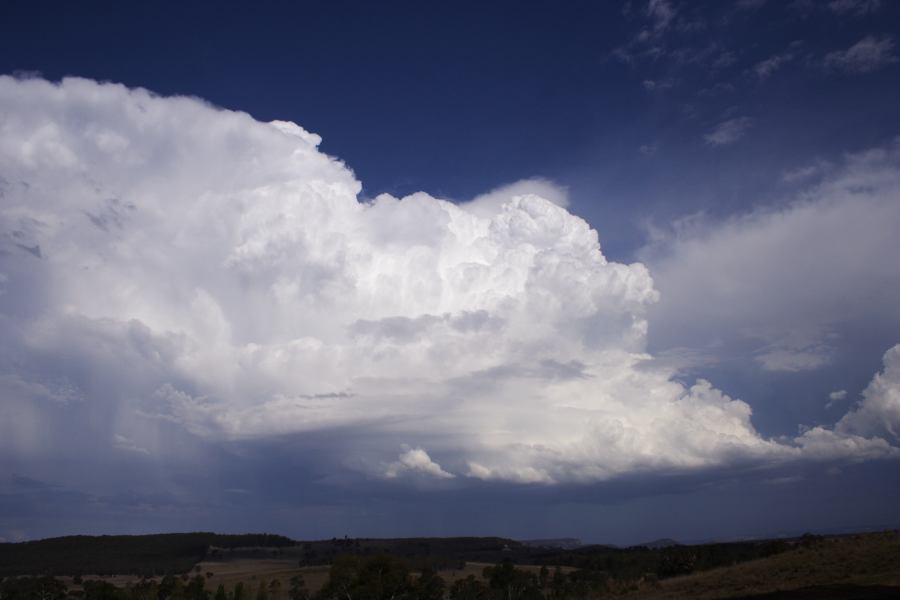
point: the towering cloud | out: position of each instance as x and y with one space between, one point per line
165 261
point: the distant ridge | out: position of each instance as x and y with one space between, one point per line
657 544
561 543
152 554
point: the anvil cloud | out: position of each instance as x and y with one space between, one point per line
163 260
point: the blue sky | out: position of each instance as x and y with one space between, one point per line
406 326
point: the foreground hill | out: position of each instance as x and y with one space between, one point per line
122 554
858 566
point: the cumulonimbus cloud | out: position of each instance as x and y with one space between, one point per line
177 262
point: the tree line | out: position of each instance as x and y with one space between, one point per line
350 578
123 554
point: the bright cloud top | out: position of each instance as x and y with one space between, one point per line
175 262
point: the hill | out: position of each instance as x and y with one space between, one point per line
856 566
122 554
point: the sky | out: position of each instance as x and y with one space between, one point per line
614 271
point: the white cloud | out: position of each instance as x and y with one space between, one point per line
807 172
868 54
197 267
878 414
728 132
835 397
785 284
794 359
415 461
491 203
124 443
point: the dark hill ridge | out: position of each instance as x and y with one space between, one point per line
122 554
563 543
180 552
660 543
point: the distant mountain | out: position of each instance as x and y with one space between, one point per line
561 543
657 544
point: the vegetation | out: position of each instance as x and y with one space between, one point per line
865 566
856 566
138 555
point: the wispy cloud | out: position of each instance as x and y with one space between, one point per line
794 359
854 7
728 132
649 149
750 4
807 172
869 54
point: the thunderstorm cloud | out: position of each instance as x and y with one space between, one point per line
163 261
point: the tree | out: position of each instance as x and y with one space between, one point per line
275 589
468 589
145 589
101 590
428 586
220 593
238 593
510 583
375 578
297 590
261 593
196 589
32 588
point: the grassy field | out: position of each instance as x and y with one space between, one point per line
864 560
251 571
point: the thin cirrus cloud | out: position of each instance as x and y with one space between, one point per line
854 7
168 263
869 54
728 132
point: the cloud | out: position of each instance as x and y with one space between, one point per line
728 132
649 149
835 397
806 173
490 203
657 85
124 443
765 68
204 271
867 55
786 286
878 414
661 13
416 461
855 7
795 359
659 17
